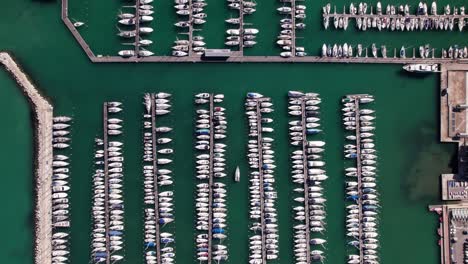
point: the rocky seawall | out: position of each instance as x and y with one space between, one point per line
42 112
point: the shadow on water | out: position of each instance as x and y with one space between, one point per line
415 76
46 1
431 158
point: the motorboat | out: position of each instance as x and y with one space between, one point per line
237 174
78 24
422 68
127 53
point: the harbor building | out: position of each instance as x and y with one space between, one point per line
453 227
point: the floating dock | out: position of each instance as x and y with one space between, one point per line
293 35
137 28
395 16
260 170
210 182
190 29
155 176
359 177
106 180
306 176
238 57
356 101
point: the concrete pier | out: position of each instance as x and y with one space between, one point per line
43 120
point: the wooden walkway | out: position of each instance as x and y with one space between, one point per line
155 176
306 176
359 178
409 16
190 32
137 29
106 181
241 28
238 58
293 37
75 32
210 182
260 169
276 59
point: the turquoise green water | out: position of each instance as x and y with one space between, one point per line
16 190
411 158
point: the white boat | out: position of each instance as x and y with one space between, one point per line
286 54
316 143
234 21
237 174
145 53
317 241
182 24
59 126
126 15
422 68
126 53
179 53
62 119
235 32
78 24
251 31
127 34
284 9
232 43
145 30
113 132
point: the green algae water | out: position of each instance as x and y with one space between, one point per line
410 157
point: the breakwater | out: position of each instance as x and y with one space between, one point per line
43 114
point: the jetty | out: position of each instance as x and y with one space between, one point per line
355 100
105 139
190 28
210 168
137 28
260 170
238 56
306 176
42 112
241 27
395 16
293 33
210 183
155 177
359 177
